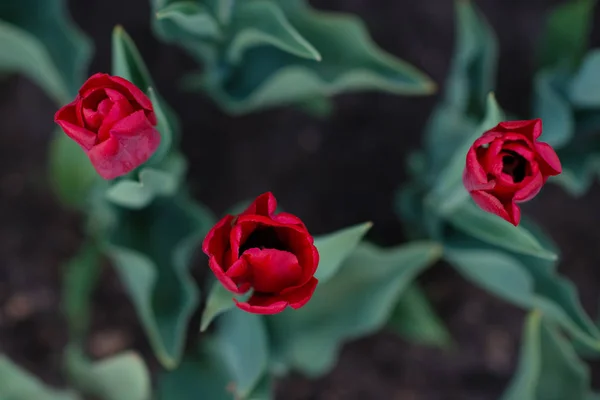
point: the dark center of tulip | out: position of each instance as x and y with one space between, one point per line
264 238
514 165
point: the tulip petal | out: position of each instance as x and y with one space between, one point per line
133 141
272 270
531 188
491 204
474 176
264 205
532 128
216 241
139 96
263 304
551 163
300 296
66 118
226 281
287 218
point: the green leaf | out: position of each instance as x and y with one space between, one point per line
448 192
489 228
80 276
310 338
264 389
241 338
415 319
219 301
586 83
152 183
127 62
566 36
552 294
552 106
151 251
262 23
121 377
191 17
17 384
201 375
473 71
579 172
335 247
45 45
494 271
71 173
163 126
548 368
350 62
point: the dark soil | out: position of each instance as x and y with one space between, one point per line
332 173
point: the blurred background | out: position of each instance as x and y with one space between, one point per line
332 173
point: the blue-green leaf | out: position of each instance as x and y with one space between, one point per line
552 106
152 183
191 17
17 384
121 377
335 247
350 62
71 172
566 35
241 338
548 368
38 38
151 250
219 301
468 218
494 271
262 23
357 302
586 83
415 319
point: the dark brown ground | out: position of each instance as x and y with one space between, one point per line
331 173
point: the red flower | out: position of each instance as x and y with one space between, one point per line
114 123
507 165
271 253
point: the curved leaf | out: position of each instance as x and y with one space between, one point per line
552 106
219 301
549 368
415 319
335 247
121 377
17 384
45 45
260 23
468 218
566 34
586 83
495 272
350 62
151 250
71 172
309 338
191 17
241 340
152 183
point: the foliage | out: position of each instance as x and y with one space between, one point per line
264 53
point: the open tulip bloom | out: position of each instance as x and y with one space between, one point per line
507 165
272 254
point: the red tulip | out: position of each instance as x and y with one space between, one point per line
272 254
507 165
114 123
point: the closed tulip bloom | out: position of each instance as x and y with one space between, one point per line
113 121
